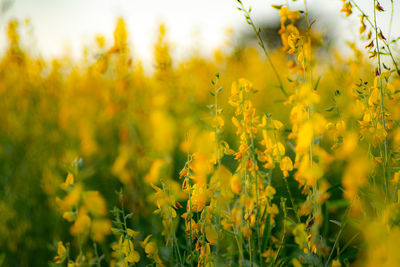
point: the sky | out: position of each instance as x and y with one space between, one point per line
65 26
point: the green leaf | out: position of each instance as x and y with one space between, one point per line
359 92
330 109
277 7
336 222
317 83
267 232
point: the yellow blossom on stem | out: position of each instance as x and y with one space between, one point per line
286 166
61 253
236 184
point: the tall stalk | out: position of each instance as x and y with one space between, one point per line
257 31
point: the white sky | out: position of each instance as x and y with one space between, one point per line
191 24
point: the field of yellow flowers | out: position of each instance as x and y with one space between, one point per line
256 157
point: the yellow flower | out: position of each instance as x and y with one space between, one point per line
304 137
72 198
269 191
153 175
286 14
355 176
199 198
298 114
278 150
217 122
62 253
151 249
131 256
375 97
238 125
363 26
246 232
69 216
336 263
132 233
211 235
100 229
120 38
347 9
82 223
300 235
273 209
68 181
277 125
289 37
245 84
236 184
95 203
286 166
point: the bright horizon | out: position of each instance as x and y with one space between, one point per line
61 26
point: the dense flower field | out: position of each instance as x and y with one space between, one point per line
254 157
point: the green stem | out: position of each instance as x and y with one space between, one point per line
386 181
263 47
390 20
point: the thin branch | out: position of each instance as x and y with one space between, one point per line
261 44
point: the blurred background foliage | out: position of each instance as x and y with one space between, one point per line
127 128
